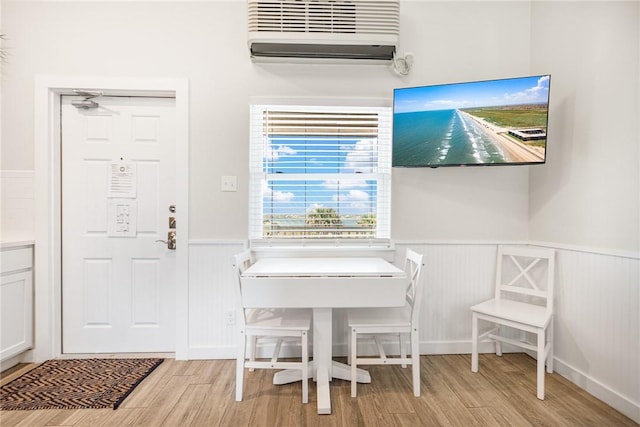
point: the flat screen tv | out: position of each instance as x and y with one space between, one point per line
481 123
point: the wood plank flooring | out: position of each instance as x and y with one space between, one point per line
201 393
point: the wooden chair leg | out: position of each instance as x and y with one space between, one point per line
403 348
550 341
415 362
354 363
305 368
540 364
348 346
474 342
251 347
240 366
498 343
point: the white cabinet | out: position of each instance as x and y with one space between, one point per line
16 299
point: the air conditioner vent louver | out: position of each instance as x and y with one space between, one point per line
356 29
300 17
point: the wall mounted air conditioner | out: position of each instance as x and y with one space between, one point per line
324 30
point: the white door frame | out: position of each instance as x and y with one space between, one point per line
48 237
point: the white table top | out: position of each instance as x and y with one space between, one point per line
323 267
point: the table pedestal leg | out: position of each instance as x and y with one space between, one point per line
338 370
288 376
343 371
323 368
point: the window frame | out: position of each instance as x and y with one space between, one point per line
260 144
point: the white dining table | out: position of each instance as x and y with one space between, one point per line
322 284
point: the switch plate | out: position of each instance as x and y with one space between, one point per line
229 183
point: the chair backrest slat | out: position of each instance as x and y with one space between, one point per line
526 271
413 268
241 262
524 291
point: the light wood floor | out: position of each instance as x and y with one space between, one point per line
201 393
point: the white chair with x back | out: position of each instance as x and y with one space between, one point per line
274 324
393 322
523 301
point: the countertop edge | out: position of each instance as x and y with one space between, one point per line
16 244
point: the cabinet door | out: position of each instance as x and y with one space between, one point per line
16 314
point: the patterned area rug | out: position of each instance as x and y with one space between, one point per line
76 384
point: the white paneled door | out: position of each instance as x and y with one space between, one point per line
118 183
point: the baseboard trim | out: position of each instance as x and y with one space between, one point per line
610 397
212 352
11 362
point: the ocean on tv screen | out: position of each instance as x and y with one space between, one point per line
497 122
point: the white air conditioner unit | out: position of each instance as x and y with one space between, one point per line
325 30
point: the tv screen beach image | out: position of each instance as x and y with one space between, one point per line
476 123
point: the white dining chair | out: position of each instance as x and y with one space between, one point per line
523 301
396 323
274 324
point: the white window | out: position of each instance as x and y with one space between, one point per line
320 173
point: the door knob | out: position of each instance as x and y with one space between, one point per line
171 240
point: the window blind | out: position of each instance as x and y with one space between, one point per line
320 172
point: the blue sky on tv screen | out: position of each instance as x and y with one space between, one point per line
516 91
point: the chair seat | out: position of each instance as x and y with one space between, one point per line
515 311
279 318
373 317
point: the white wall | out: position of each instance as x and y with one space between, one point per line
587 196
206 43
588 193
460 41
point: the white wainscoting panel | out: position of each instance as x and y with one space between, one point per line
597 326
210 297
17 205
456 277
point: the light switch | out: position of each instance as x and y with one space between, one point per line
229 183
